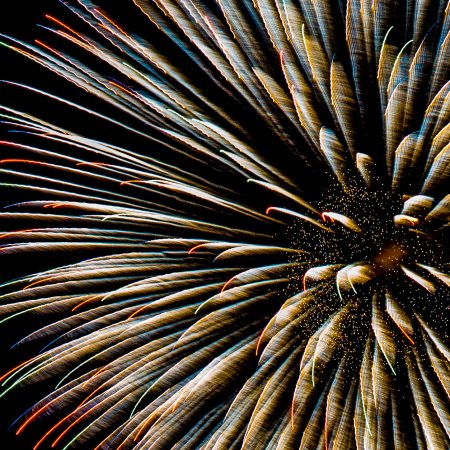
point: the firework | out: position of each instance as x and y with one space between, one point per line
266 228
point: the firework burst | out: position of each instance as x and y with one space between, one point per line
269 262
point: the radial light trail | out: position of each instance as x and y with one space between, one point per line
268 255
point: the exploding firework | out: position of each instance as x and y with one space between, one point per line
266 228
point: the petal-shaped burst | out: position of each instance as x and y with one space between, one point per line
256 256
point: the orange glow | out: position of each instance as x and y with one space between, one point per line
227 283
50 49
127 91
86 301
123 183
389 257
258 343
325 217
50 431
197 246
14 369
28 161
22 427
53 19
141 427
406 335
118 448
137 312
96 374
39 282
76 41
24 52
111 22
64 419
55 442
